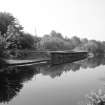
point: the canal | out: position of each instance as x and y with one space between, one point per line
66 84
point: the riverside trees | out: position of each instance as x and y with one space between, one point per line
12 37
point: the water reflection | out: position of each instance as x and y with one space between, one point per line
56 71
11 81
12 78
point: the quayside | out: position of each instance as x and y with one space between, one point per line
55 57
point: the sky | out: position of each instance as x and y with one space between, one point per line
82 18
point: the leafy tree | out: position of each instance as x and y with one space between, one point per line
56 34
84 41
75 41
7 19
27 41
12 38
18 40
54 43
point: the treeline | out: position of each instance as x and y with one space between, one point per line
12 38
56 41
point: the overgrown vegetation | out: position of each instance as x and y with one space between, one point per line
12 38
96 98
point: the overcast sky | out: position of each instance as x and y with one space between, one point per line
84 18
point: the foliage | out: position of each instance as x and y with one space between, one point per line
12 38
56 34
7 19
55 41
96 98
92 46
26 41
75 41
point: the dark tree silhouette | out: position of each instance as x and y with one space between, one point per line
11 81
7 19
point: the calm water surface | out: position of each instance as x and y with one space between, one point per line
44 85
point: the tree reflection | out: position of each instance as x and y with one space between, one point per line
57 70
11 81
12 78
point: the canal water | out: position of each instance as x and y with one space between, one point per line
66 84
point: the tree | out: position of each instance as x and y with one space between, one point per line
12 38
18 40
75 41
84 41
54 43
27 41
56 34
7 19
